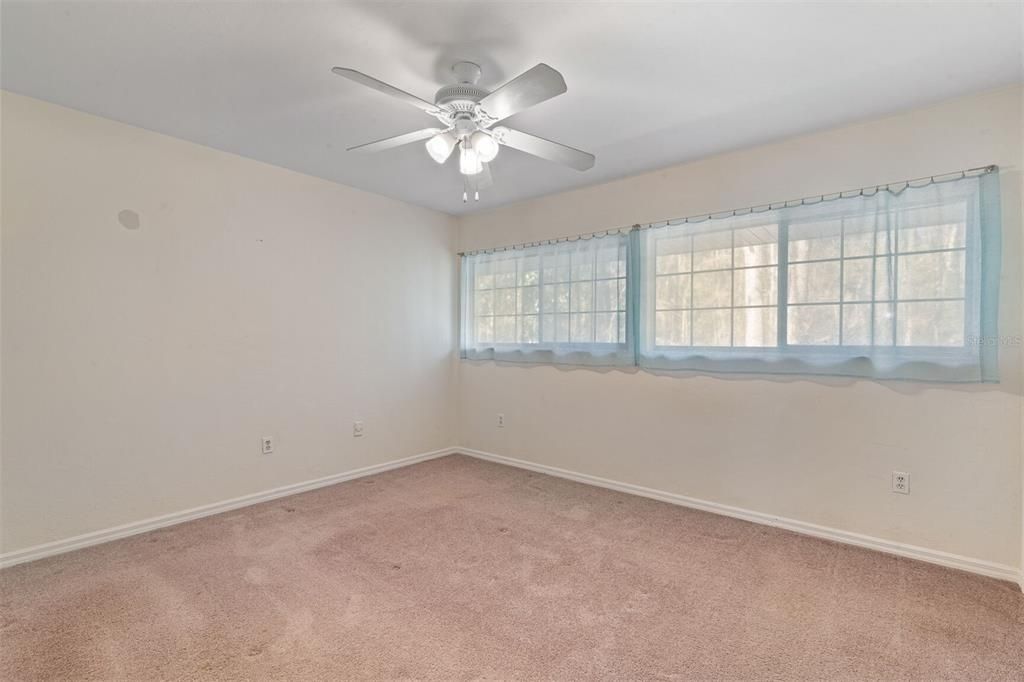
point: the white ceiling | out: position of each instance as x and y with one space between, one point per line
650 84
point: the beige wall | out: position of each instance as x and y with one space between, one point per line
141 367
818 451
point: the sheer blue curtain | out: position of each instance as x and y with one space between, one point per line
559 303
900 283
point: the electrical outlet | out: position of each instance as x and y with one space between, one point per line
501 421
267 445
901 482
357 429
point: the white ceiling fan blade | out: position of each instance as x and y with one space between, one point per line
545 149
381 86
396 141
532 87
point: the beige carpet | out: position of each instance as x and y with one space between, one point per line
457 569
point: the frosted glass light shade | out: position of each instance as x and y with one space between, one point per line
440 146
485 146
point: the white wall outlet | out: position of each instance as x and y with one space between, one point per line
267 445
357 428
501 421
901 482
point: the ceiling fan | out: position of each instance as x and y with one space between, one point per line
468 114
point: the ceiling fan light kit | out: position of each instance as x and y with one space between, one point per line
469 113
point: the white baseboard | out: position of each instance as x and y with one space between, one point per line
980 566
100 536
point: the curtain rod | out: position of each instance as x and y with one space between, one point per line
870 190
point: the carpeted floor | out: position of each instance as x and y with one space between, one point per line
458 568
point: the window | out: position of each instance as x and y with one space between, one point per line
853 284
898 283
550 303
716 288
889 285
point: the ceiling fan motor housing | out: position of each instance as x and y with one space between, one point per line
458 101
460 92
464 94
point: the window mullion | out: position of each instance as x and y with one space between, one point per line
540 297
593 298
692 273
895 286
783 284
732 288
842 268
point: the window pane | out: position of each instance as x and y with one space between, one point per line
610 263
484 303
884 328
485 329
581 328
868 235
606 327
528 271
857 279
930 237
857 324
672 328
757 246
712 327
608 294
811 241
672 291
936 226
932 323
528 332
484 281
505 329
555 329
756 286
712 289
528 301
932 275
857 328
814 282
562 297
557 267
712 251
885 276
582 297
858 240
673 255
506 277
813 325
755 327
556 298
582 267
504 301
